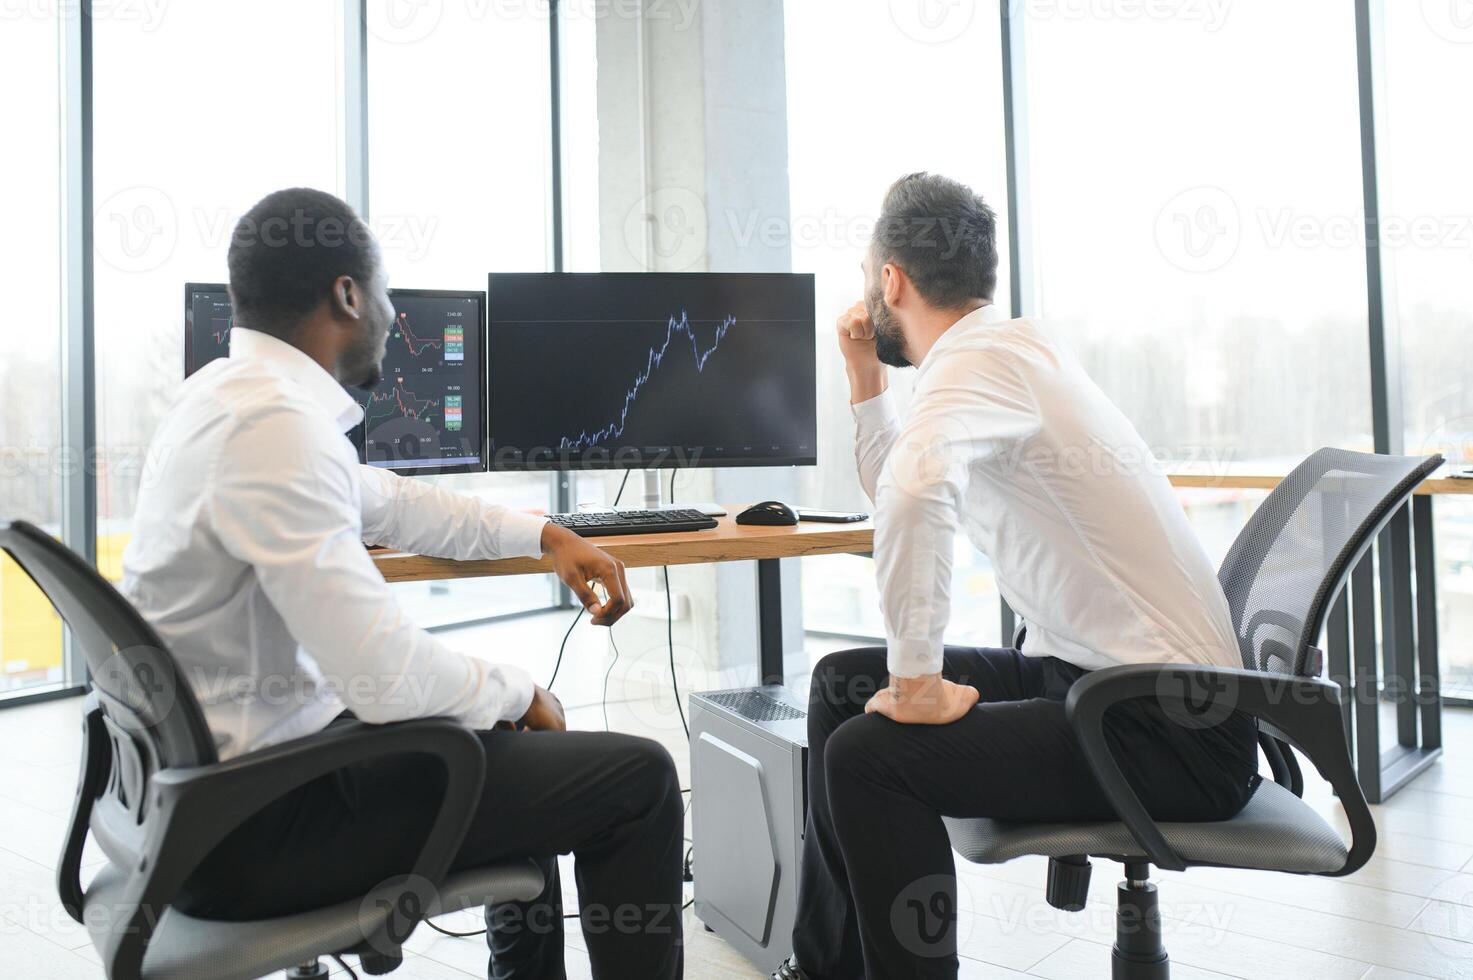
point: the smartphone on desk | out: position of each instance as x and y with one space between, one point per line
830 516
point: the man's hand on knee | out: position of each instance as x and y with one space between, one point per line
926 700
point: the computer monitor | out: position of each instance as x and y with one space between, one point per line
651 370
207 323
427 414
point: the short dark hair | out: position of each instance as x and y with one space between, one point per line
287 251
943 235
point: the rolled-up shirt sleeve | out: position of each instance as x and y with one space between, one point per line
965 409
287 503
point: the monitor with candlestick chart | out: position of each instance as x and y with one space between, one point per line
651 370
427 412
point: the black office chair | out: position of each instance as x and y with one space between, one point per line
157 799
1281 576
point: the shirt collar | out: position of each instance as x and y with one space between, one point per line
324 390
981 316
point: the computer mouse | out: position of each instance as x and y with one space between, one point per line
772 513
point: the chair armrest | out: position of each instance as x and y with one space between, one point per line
1305 711
196 808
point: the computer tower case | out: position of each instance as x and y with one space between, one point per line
748 765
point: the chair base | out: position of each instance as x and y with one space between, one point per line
1125 968
1138 953
307 971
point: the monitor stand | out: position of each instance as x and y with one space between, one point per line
653 496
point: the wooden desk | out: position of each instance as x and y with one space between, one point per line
1239 478
728 541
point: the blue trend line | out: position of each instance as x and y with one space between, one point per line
615 429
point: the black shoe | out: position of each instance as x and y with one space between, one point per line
789 971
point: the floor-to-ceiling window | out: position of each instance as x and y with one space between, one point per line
32 464
198 113
1424 160
876 91
1196 215
459 164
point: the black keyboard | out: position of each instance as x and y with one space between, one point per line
597 523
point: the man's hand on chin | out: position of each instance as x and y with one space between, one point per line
926 700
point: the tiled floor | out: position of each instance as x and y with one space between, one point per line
1409 913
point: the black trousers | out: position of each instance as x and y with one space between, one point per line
877 888
613 801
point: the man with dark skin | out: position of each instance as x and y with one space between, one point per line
248 558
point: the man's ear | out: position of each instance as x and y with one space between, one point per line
347 298
894 282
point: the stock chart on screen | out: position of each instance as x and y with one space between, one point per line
427 413
591 371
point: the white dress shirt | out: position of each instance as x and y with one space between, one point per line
1010 439
247 556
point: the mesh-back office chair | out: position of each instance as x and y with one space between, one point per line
157 799
1281 576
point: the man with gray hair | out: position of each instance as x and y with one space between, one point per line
1009 440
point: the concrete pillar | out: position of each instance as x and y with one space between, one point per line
692 164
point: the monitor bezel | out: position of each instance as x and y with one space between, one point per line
190 288
674 459
481 372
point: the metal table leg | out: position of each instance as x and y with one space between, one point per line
770 620
1429 679
1410 655
1338 630
1367 703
